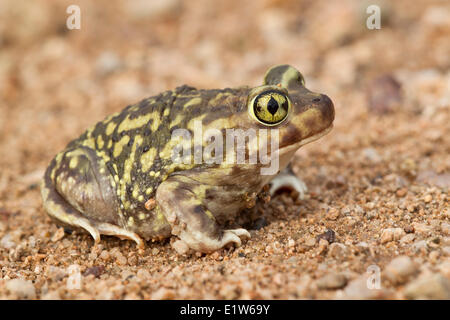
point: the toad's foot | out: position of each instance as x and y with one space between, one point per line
112 230
234 236
229 237
287 180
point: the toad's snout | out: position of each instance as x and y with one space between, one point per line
323 103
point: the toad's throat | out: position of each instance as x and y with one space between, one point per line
293 147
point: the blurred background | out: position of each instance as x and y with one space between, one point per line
55 82
382 172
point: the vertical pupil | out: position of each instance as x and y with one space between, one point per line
272 106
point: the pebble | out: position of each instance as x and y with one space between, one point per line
24 289
383 94
358 289
371 154
400 269
447 213
434 256
407 238
59 234
337 250
108 62
329 235
56 273
310 242
401 192
180 247
120 258
143 274
409 229
445 227
432 286
291 243
391 234
7 242
421 228
104 255
142 9
444 268
52 295
332 281
420 245
97 271
163 294
446 250
332 214
432 178
323 245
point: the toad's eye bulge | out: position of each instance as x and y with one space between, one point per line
271 107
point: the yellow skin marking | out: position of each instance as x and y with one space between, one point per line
177 120
100 142
119 146
127 168
110 128
166 112
149 191
220 96
147 159
73 163
156 121
128 124
136 191
90 143
193 102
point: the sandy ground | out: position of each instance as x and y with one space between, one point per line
378 201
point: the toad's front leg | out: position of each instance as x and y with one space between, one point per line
190 219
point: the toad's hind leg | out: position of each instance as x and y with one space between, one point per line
77 191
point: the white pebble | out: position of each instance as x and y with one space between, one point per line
24 289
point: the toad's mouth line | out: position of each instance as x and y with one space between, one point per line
295 146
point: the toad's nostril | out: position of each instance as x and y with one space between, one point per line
316 100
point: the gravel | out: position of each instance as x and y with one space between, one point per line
23 289
400 269
433 286
332 281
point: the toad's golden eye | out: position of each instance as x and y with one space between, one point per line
271 107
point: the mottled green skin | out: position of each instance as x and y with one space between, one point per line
118 177
174 101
